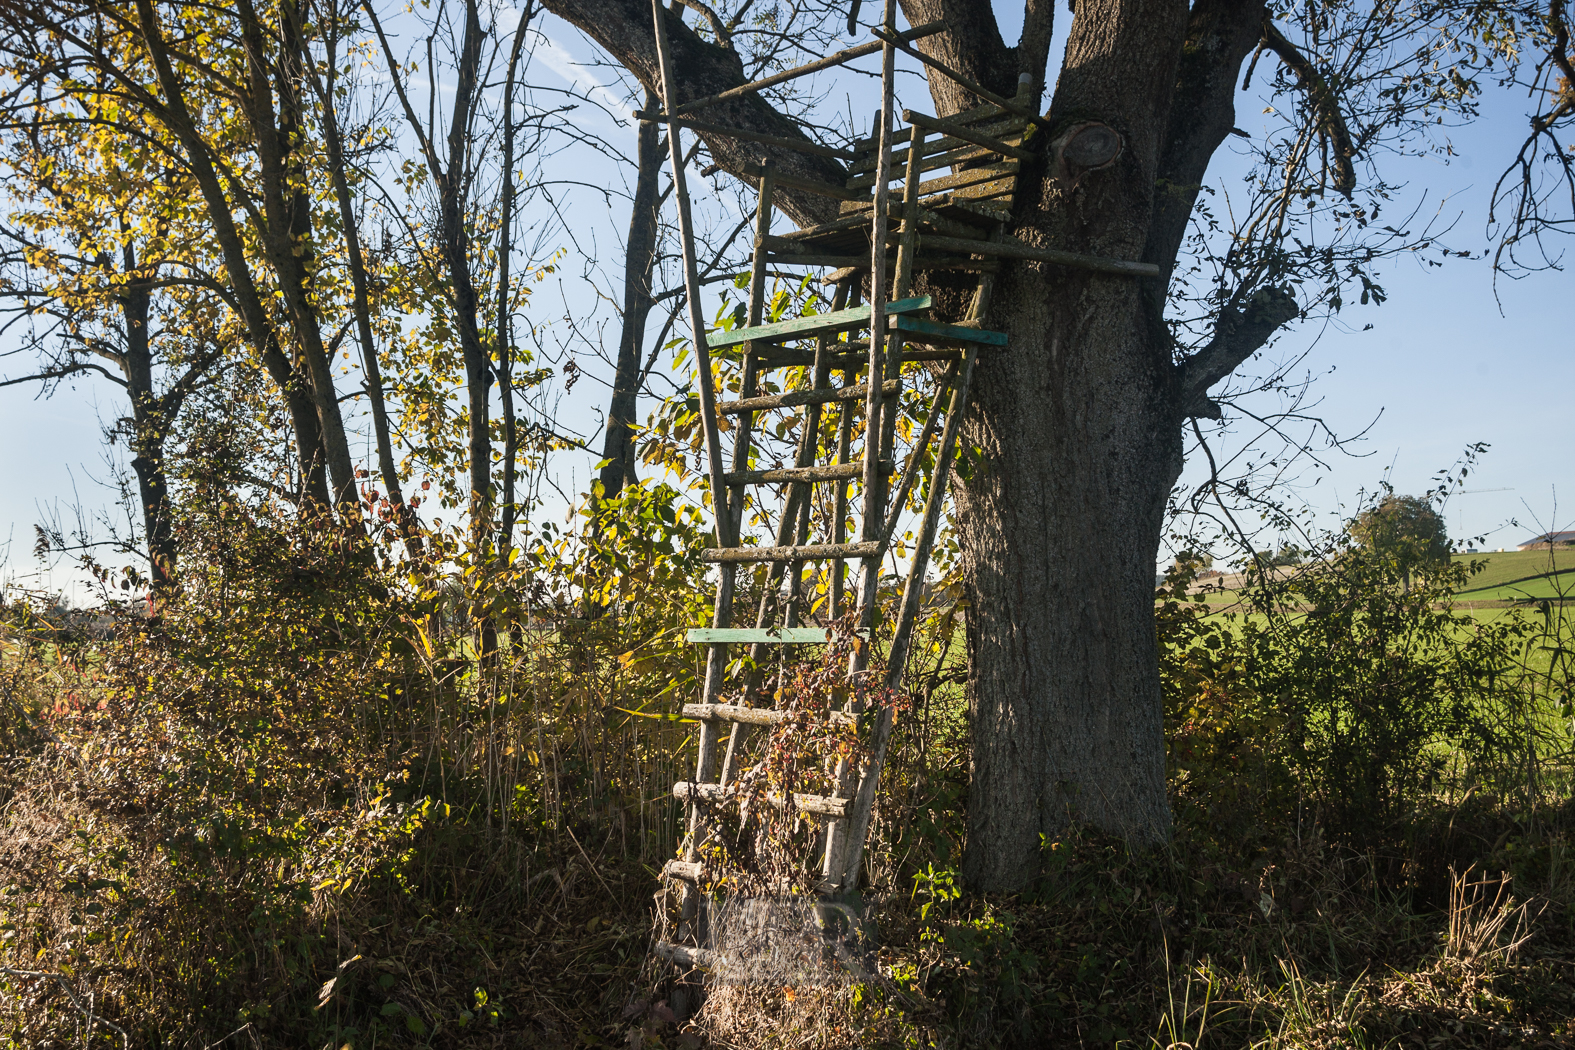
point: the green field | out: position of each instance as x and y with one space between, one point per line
1502 578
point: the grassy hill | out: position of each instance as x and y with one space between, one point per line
1520 574
1502 576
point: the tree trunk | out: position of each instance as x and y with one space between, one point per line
149 427
1078 423
638 261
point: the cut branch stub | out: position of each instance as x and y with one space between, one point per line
1082 148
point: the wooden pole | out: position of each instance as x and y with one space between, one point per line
726 536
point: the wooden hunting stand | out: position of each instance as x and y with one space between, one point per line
893 223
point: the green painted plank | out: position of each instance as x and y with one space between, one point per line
745 635
953 332
799 327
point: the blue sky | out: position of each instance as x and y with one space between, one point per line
1443 365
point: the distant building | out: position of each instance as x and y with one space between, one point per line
1549 539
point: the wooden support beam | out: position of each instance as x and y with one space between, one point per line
825 806
802 146
952 75
801 327
939 152
756 716
935 331
845 55
1015 249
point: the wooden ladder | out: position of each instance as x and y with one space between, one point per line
935 200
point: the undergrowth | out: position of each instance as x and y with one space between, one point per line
295 809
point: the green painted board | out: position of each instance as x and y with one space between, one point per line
936 330
799 327
744 635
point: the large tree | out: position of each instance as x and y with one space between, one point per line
1081 421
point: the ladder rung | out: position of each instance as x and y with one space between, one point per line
812 552
756 716
833 472
818 259
951 333
1006 169
845 266
803 397
785 635
677 953
846 224
687 870
800 327
938 153
686 791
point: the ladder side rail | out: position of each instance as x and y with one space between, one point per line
745 426
798 496
880 221
839 507
810 441
716 655
845 873
835 832
910 473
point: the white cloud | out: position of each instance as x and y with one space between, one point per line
558 59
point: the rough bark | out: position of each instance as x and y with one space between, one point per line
148 428
1079 424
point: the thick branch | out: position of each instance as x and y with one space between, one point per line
1238 334
1220 33
972 45
623 28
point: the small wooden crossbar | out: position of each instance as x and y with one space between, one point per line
756 716
935 331
785 635
677 953
816 324
804 397
957 131
822 804
777 475
1014 249
809 552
